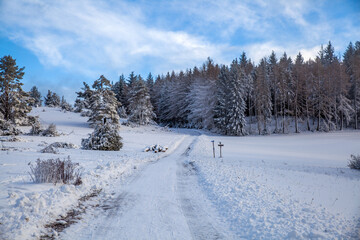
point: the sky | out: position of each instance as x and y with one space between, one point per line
64 43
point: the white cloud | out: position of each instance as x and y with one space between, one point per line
89 36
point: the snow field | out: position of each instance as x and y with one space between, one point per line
283 187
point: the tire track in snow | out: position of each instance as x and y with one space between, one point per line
201 219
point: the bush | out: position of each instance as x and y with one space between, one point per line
354 162
35 128
105 137
50 131
56 171
8 129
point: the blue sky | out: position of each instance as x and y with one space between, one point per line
63 43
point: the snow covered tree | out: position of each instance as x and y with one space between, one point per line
202 103
120 89
236 105
52 99
274 83
65 105
140 107
105 137
222 99
14 102
352 68
263 103
82 101
103 103
36 95
286 90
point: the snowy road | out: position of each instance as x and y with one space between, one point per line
163 202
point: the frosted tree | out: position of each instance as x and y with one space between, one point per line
82 101
65 105
105 138
274 83
103 103
120 89
52 99
263 105
299 79
203 100
352 68
236 104
14 102
222 98
36 95
286 90
140 107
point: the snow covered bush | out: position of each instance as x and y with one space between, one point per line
50 131
56 171
35 128
105 137
354 162
8 129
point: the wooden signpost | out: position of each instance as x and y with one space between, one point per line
220 145
213 142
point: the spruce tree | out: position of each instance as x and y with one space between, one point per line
36 95
236 105
103 103
222 97
140 107
82 101
14 102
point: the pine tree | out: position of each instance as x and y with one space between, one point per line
52 99
82 101
121 90
140 107
222 99
352 68
274 81
65 105
103 103
14 102
36 95
236 105
105 138
263 105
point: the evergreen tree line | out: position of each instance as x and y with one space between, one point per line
277 95
107 102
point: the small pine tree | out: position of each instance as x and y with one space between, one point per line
36 95
65 105
105 137
103 103
52 99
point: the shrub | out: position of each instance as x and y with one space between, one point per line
8 129
35 128
354 162
50 131
56 171
105 137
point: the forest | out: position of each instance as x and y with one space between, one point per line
277 95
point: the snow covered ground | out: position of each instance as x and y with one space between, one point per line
264 187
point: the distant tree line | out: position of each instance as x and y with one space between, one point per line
314 95
321 94
278 95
